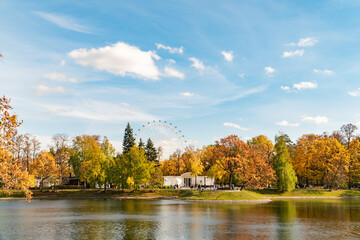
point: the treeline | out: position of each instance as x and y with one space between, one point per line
326 160
92 159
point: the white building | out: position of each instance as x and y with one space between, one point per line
188 179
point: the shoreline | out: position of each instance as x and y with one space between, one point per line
264 200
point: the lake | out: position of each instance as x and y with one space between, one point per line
167 219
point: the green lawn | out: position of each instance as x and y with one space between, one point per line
185 194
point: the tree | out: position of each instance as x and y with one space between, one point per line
138 168
109 152
263 146
44 167
332 160
348 131
354 162
88 160
150 151
129 140
141 144
237 162
60 150
303 162
12 175
284 171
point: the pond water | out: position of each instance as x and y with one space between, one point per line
166 219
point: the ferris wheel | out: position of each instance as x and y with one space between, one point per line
166 137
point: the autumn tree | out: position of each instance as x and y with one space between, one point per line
60 150
354 162
332 160
88 159
44 167
237 162
12 176
109 152
134 168
303 162
129 140
262 145
282 164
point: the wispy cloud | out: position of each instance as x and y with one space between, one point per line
287 54
317 119
304 85
179 50
65 22
228 56
304 42
269 71
355 93
187 94
42 90
60 77
285 88
287 124
196 63
234 125
101 111
324 71
120 59
171 72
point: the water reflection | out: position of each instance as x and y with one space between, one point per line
164 219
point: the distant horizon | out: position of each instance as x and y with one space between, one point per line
211 68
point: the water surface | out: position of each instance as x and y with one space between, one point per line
166 219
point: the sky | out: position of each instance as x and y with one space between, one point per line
211 68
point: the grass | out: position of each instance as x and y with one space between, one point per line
185 194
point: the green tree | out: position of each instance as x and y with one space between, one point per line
129 140
88 159
109 152
151 152
138 168
282 166
141 144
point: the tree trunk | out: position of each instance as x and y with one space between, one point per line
41 184
230 180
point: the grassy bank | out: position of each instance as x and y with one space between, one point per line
185 194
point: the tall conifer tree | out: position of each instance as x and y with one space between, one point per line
129 140
151 152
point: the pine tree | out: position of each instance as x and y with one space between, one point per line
129 140
282 166
151 153
141 144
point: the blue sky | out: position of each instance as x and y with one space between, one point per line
213 68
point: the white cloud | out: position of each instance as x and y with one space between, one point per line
304 85
242 75
171 72
287 124
179 50
304 42
293 53
234 125
172 61
42 89
317 119
60 77
285 88
355 93
120 59
62 63
196 63
324 72
228 56
101 111
64 22
186 94
358 123
269 70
